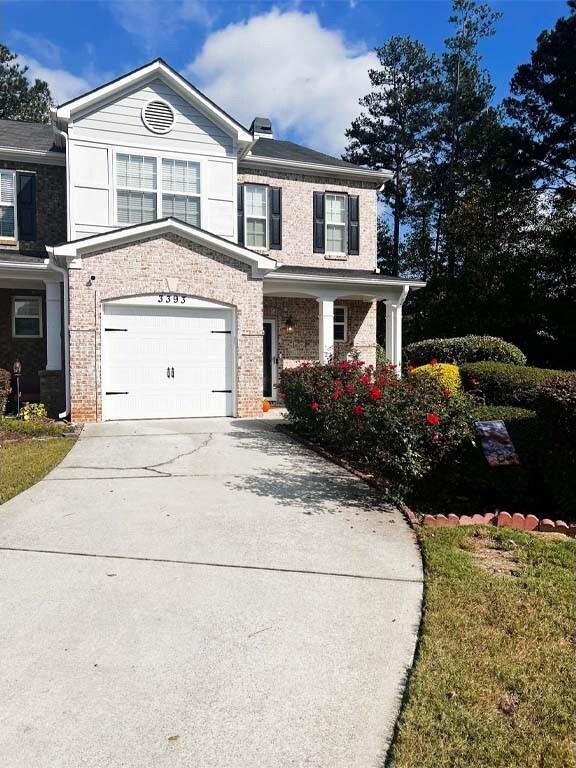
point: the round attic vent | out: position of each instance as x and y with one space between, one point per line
158 116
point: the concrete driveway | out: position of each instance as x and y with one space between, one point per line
202 593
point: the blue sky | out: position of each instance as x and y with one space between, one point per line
304 64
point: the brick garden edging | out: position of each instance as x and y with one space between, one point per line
502 520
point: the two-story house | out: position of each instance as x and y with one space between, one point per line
158 259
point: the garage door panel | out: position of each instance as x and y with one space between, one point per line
151 342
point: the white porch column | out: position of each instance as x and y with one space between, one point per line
394 333
53 327
326 329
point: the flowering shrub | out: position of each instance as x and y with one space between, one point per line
397 429
464 349
33 412
5 388
447 375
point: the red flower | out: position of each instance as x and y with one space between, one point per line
433 419
409 367
375 393
305 365
350 389
434 361
383 380
358 410
447 392
366 379
315 406
337 384
337 394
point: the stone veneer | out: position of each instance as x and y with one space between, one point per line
303 343
50 205
297 200
157 265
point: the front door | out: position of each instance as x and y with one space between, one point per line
270 360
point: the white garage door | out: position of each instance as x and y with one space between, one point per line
167 361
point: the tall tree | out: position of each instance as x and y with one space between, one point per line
543 106
19 99
390 134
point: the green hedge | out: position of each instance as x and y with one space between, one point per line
463 349
502 384
5 388
556 406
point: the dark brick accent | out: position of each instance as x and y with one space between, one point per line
30 352
52 392
50 204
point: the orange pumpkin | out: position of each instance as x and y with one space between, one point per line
265 406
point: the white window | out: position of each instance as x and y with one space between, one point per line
256 216
181 190
136 189
8 204
340 323
336 221
27 317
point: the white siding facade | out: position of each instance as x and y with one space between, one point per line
98 136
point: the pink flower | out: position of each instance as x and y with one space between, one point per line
436 437
358 410
315 406
434 361
433 419
447 392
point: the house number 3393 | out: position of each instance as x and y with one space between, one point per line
171 298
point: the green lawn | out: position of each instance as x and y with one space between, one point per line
24 462
494 685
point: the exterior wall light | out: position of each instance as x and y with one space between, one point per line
289 325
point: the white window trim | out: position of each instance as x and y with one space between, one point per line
343 323
265 217
38 317
158 157
331 224
14 237
163 191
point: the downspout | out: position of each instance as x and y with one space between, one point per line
64 273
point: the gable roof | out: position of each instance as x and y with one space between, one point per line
157 68
75 249
30 142
271 153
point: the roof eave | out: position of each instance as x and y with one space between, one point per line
363 174
33 156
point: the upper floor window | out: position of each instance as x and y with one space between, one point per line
181 190
335 224
27 317
140 194
136 189
336 221
256 216
7 204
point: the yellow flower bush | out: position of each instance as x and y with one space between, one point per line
448 375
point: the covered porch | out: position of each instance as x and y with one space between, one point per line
315 314
31 309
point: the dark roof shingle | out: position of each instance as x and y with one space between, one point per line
39 137
287 150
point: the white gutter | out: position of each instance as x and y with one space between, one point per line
288 277
32 156
272 163
64 273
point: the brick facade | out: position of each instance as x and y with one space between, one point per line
157 265
297 197
303 343
50 205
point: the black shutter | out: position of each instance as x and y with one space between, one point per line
275 217
26 205
240 214
318 219
353 225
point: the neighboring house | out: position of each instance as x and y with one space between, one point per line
158 259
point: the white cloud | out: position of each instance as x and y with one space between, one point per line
63 84
286 66
40 47
153 23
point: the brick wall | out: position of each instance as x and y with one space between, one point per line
297 245
157 265
30 352
50 204
303 343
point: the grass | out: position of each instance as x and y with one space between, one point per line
494 685
24 462
11 427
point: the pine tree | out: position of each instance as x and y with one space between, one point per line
20 100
